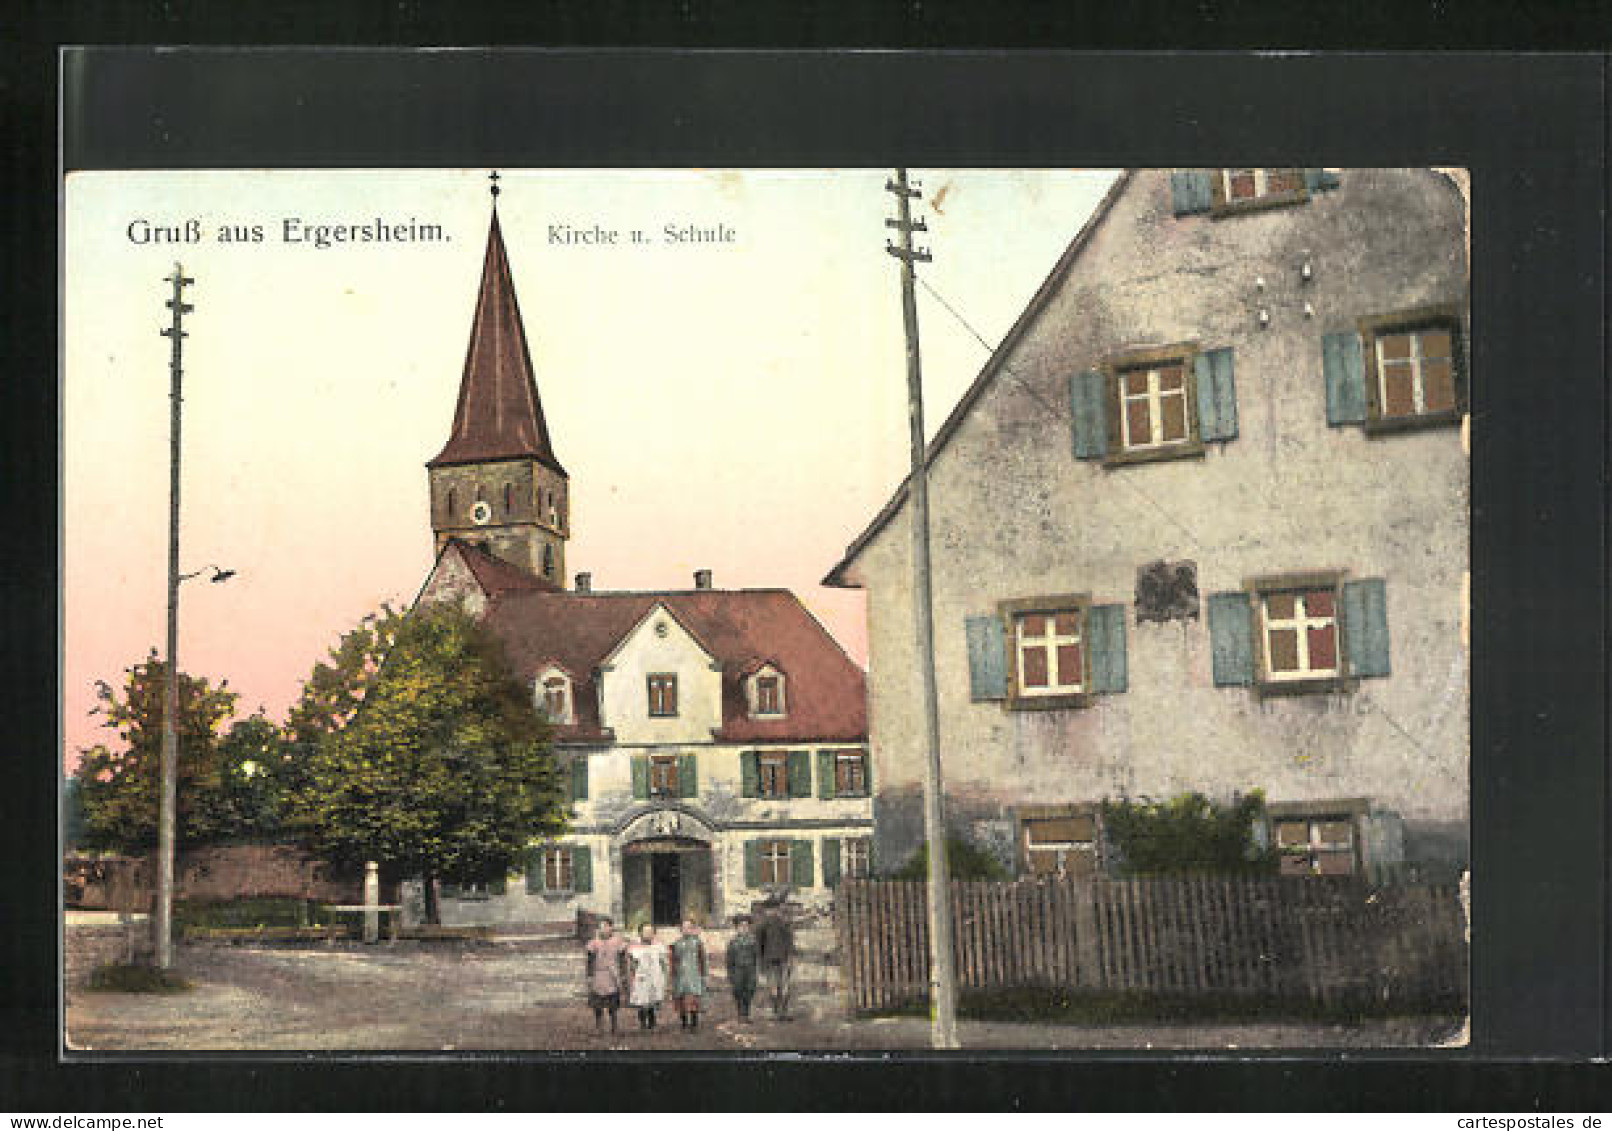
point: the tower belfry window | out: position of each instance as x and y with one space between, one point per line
548 560
509 498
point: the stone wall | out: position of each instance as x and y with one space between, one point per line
211 873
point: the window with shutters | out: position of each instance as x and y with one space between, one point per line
772 774
663 779
1412 372
856 858
1048 657
558 868
1298 628
850 774
1059 841
1152 409
1322 844
775 862
663 695
1243 190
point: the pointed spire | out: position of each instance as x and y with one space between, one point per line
499 415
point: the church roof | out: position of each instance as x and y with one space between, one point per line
495 575
827 691
499 415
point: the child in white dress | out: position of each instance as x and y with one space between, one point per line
646 975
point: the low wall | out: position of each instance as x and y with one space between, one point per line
210 873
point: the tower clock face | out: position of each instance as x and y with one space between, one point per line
481 513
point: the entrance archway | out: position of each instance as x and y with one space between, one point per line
667 868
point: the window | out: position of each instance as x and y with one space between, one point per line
557 868
856 858
1049 651
1412 370
1060 843
1316 846
509 498
850 774
1298 629
663 695
554 696
772 768
453 502
663 776
1238 190
548 560
769 701
775 862
1151 406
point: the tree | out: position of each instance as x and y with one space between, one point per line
964 861
1189 835
430 758
118 781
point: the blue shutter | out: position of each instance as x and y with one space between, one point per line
1231 639
581 869
1217 395
1105 632
1345 371
1365 626
1189 191
987 658
1320 180
1089 413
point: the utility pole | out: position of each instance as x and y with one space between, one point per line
169 799
942 969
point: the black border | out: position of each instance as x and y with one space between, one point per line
1533 132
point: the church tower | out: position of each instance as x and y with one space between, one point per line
496 482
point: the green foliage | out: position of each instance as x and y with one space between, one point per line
430 758
964 861
72 814
1189 835
118 781
118 978
244 913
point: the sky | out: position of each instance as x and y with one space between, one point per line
738 406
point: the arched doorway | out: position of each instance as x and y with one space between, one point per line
666 869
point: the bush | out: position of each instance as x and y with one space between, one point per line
964 861
1189 836
236 914
120 978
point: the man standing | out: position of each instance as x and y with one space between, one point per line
607 972
742 960
776 941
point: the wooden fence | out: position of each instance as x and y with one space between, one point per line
1316 939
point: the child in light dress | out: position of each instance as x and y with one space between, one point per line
646 976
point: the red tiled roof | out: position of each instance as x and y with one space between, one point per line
499 415
827 692
495 575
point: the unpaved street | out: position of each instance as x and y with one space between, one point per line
526 995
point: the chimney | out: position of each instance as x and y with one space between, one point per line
584 583
702 579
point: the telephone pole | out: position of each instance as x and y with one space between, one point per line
942 971
168 802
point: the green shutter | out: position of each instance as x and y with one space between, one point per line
750 773
800 863
1320 180
1231 639
1190 191
498 885
581 868
1365 626
534 871
688 780
873 858
825 774
1105 632
640 777
1345 372
831 861
579 778
752 863
450 891
1217 394
987 659
867 772
800 773
1088 396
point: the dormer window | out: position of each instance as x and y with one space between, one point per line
554 696
766 692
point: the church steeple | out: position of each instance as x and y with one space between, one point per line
496 481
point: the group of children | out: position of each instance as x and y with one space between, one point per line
646 972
